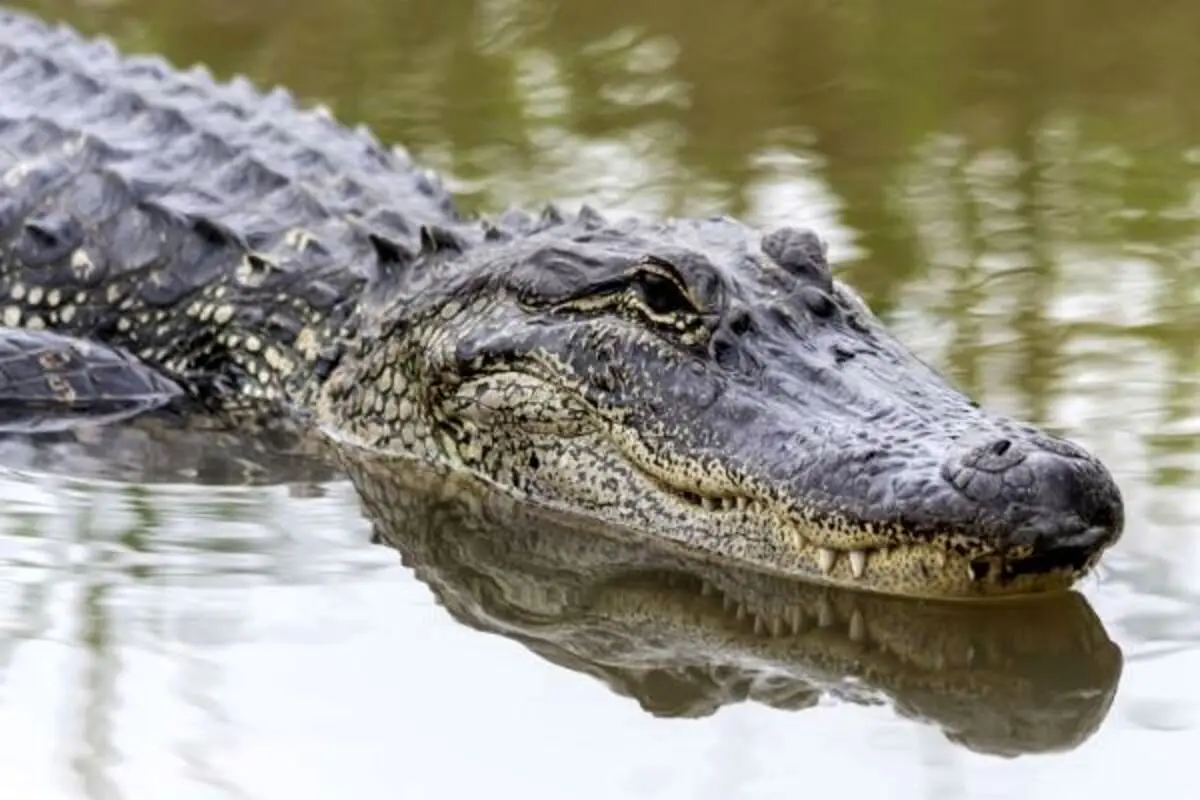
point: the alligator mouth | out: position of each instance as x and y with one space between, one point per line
840 552
930 568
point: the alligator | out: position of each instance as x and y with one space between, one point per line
708 384
684 637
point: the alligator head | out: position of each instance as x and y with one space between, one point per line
721 390
684 637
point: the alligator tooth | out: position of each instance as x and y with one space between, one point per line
759 628
706 502
776 627
858 626
706 589
796 619
858 563
742 503
824 613
826 558
970 573
741 613
727 603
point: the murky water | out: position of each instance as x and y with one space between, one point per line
1016 185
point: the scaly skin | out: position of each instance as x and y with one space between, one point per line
692 378
684 637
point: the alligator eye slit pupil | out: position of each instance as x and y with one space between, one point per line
661 295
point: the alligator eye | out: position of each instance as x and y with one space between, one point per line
662 295
661 288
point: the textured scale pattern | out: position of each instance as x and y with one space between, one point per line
128 185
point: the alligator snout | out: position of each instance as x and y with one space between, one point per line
1045 493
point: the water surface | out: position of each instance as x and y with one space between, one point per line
1014 186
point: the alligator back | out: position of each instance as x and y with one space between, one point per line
133 198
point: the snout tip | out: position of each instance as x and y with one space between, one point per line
1052 495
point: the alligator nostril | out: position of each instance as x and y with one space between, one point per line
1001 447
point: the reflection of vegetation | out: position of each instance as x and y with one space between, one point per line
865 84
147 572
96 752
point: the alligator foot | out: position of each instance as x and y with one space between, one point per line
49 382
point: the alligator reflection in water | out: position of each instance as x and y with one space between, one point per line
681 635
684 637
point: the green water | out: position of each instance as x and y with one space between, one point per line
1014 185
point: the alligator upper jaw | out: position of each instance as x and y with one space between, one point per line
907 555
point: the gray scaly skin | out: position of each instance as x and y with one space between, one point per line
694 379
684 637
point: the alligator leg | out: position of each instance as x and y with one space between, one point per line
50 381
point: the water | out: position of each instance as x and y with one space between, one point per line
1014 185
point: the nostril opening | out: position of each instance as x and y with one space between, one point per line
741 323
1001 447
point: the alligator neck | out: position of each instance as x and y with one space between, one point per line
369 366
283 338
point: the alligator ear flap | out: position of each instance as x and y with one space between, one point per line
436 239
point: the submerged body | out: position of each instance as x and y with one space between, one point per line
696 380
